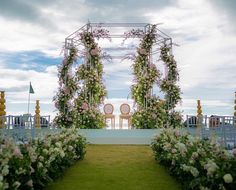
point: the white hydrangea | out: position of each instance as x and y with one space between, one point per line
5 170
58 144
45 151
228 178
41 158
70 148
62 154
181 147
194 155
194 171
211 167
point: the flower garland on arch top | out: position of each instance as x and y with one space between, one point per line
150 113
66 91
93 90
169 86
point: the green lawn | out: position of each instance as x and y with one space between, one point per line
116 167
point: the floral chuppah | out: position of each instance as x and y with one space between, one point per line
82 108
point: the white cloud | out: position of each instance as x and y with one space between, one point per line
206 56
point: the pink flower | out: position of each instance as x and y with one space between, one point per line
64 62
152 66
17 153
154 115
173 151
66 90
234 152
56 105
94 51
177 133
84 106
142 51
60 83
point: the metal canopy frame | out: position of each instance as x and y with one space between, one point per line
74 38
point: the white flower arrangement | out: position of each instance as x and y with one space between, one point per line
198 164
31 165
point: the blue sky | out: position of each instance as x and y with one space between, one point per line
32 34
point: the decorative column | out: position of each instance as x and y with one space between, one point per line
37 114
2 109
199 117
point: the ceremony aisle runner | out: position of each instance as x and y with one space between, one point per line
116 167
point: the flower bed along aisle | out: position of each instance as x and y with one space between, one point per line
198 164
32 165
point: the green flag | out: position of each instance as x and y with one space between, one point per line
31 90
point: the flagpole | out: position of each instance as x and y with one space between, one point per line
28 102
29 99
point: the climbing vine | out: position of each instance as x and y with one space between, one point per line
67 88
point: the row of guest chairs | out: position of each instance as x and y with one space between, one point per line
124 115
214 121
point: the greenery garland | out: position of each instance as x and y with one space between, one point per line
150 113
169 86
66 91
93 91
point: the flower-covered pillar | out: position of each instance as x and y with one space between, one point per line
170 87
93 90
150 113
67 88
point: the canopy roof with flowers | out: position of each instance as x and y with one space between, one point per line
80 94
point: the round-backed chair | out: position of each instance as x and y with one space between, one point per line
108 111
125 114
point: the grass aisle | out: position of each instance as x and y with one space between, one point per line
116 167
